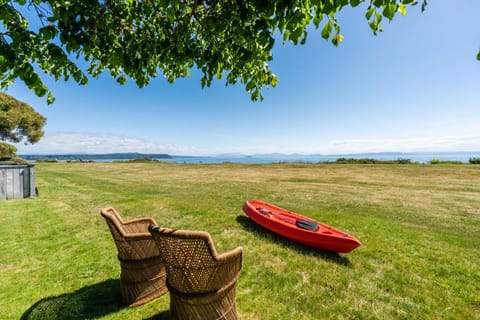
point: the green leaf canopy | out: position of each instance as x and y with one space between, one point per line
141 40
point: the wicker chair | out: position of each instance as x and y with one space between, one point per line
143 273
201 283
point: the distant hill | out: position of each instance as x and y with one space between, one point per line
106 156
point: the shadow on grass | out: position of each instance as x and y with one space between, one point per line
286 243
89 302
164 315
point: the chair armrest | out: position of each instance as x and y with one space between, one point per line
139 246
230 256
139 225
229 264
139 236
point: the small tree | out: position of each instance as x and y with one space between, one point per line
18 121
7 151
474 160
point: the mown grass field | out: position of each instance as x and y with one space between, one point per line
419 226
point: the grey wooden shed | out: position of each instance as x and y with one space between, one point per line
17 181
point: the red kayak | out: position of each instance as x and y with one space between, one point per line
299 228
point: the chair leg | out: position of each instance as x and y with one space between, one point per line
142 281
136 294
215 306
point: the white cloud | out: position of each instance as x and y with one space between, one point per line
427 144
352 146
89 143
66 143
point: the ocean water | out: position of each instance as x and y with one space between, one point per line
413 157
267 158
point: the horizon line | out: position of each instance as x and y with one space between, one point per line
252 154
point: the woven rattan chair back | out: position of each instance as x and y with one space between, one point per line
202 283
143 275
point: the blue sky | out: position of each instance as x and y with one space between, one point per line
414 87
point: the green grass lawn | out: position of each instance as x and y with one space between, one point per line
419 226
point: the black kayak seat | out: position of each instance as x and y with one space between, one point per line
307 225
302 224
263 211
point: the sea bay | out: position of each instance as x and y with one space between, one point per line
420 157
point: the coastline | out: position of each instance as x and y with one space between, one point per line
413 157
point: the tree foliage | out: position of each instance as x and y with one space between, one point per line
7 151
19 121
140 39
